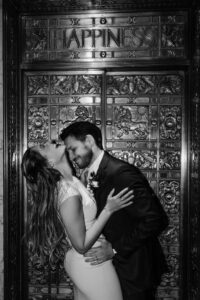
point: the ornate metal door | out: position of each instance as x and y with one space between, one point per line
141 115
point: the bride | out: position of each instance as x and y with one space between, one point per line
62 204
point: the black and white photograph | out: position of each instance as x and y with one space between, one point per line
99 150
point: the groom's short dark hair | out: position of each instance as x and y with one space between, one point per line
79 130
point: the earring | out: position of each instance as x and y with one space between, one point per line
51 163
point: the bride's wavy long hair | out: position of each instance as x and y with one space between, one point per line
45 230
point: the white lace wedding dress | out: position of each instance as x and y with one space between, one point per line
98 282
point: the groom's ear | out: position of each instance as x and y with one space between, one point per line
89 140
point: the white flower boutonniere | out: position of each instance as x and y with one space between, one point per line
93 183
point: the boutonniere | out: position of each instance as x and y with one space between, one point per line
93 182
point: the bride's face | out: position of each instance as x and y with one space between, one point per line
53 151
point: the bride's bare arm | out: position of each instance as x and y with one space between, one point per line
72 215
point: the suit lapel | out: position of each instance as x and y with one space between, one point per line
101 178
102 168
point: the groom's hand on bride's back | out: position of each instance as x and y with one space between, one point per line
100 254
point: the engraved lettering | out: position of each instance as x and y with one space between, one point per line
95 34
84 38
53 39
85 34
122 37
116 39
73 37
103 38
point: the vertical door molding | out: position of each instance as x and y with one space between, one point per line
194 212
12 126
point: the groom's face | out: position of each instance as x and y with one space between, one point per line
80 152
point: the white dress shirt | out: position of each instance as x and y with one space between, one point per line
95 165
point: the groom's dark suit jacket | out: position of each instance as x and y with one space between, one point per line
134 230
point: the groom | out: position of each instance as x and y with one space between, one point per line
133 231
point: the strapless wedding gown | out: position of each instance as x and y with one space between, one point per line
98 282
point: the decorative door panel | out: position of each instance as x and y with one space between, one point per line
55 100
52 101
141 117
144 127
